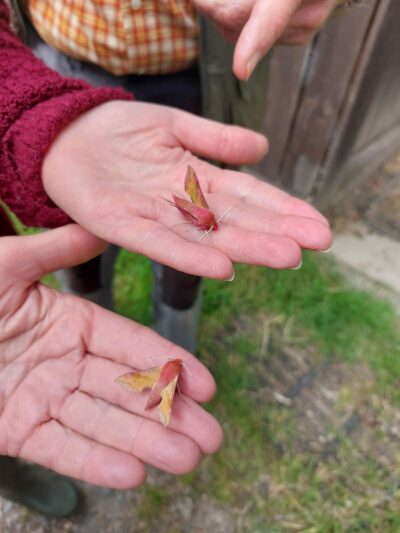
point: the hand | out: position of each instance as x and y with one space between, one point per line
257 24
113 169
59 356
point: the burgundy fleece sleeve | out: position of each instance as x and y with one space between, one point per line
36 103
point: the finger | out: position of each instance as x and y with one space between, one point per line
242 246
256 192
72 454
267 21
187 417
307 232
142 436
154 240
128 343
138 227
256 248
34 256
211 140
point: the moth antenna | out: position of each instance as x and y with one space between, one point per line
191 230
186 368
166 200
226 213
157 360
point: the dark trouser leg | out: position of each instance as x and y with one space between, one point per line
92 280
176 296
177 302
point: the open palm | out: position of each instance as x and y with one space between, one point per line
113 169
59 357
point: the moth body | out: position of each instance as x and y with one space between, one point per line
201 217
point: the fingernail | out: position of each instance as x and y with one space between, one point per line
298 266
232 277
251 65
327 250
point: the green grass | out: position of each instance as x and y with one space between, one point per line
132 287
316 310
153 501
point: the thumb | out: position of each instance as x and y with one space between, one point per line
27 258
267 21
212 140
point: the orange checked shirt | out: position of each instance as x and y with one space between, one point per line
121 36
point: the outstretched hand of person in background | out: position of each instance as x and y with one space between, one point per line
59 357
113 168
256 25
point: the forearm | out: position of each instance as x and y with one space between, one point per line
36 103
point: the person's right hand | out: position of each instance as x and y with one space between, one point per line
59 356
255 25
113 168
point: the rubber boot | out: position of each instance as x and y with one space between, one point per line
37 488
177 325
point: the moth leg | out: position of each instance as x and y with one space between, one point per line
206 233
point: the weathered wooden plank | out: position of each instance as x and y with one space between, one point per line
379 100
383 213
343 162
285 79
335 52
359 167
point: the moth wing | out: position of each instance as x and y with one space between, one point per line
138 381
167 398
185 207
155 395
192 187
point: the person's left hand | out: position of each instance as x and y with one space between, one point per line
257 24
59 357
